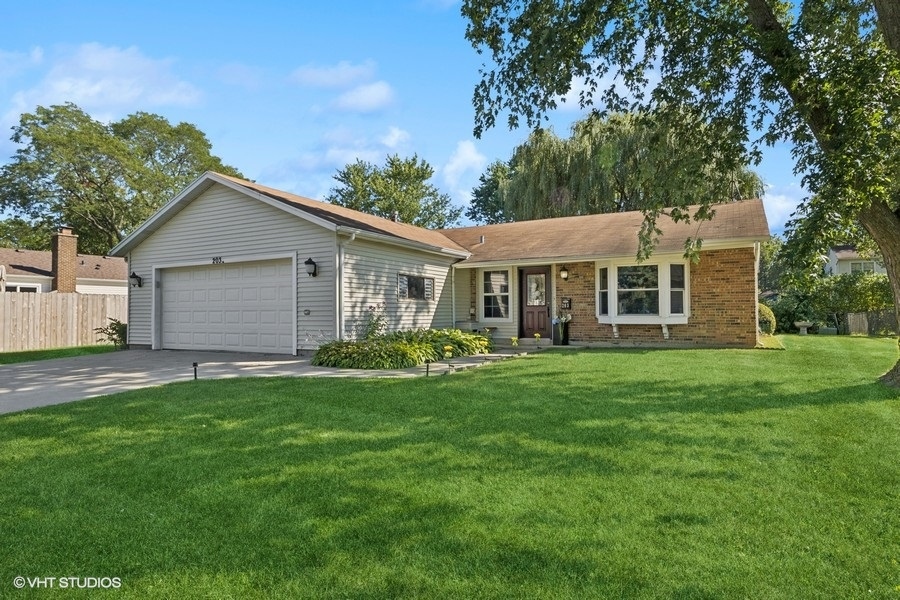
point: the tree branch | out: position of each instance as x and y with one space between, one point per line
777 50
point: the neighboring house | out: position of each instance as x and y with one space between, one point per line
232 265
845 259
62 269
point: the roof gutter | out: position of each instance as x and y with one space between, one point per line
390 239
571 258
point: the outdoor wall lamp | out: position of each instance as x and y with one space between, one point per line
135 279
311 267
564 273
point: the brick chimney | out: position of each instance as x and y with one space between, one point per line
64 254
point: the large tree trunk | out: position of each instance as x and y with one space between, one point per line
889 22
883 225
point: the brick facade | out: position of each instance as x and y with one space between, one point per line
723 298
64 253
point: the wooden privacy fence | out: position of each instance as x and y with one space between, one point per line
38 321
879 322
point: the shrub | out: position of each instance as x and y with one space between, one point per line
375 322
767 322
400 349
378 353
116 332
463 343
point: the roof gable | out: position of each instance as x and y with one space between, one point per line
324 214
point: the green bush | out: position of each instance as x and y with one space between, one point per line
767 322
463 343
116 332
400 349
378 353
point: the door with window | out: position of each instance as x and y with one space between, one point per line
536 302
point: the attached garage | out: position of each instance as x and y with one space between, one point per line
246 307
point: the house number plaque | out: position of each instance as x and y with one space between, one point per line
218 260
565 304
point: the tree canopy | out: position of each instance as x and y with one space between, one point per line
399 190
101 179
821 74
613 164
487 205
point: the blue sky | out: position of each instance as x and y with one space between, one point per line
287 92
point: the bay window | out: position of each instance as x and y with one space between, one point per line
646 293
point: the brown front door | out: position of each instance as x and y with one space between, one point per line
536 302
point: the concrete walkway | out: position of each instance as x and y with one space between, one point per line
42 383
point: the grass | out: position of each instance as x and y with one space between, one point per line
565 474
8 358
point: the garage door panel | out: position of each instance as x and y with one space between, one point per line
244 307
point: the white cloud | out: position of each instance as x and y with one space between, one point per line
343 74
341 146
395 137
12 63
464 160
370 97
780 201
104 79
462 171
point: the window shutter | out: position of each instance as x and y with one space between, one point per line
402 287
429 288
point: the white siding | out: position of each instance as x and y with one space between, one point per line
505 328
227 225
370 277
118 289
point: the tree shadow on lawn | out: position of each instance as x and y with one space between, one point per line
480 481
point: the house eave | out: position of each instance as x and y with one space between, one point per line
396 241
197 187
575 258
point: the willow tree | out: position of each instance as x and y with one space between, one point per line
624 162
823 75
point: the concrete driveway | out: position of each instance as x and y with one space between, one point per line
42 383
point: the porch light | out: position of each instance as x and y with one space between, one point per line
564 273
135 279
311 267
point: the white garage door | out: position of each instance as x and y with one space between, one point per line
246 307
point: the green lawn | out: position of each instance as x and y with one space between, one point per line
593 474
7 358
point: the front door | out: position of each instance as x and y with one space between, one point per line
536 302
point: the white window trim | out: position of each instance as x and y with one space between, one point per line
479 291
862 266
33 288
664 317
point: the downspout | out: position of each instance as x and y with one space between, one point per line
340 286
453 295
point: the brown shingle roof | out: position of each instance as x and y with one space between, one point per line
38 262
845 252
345 217
606 235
